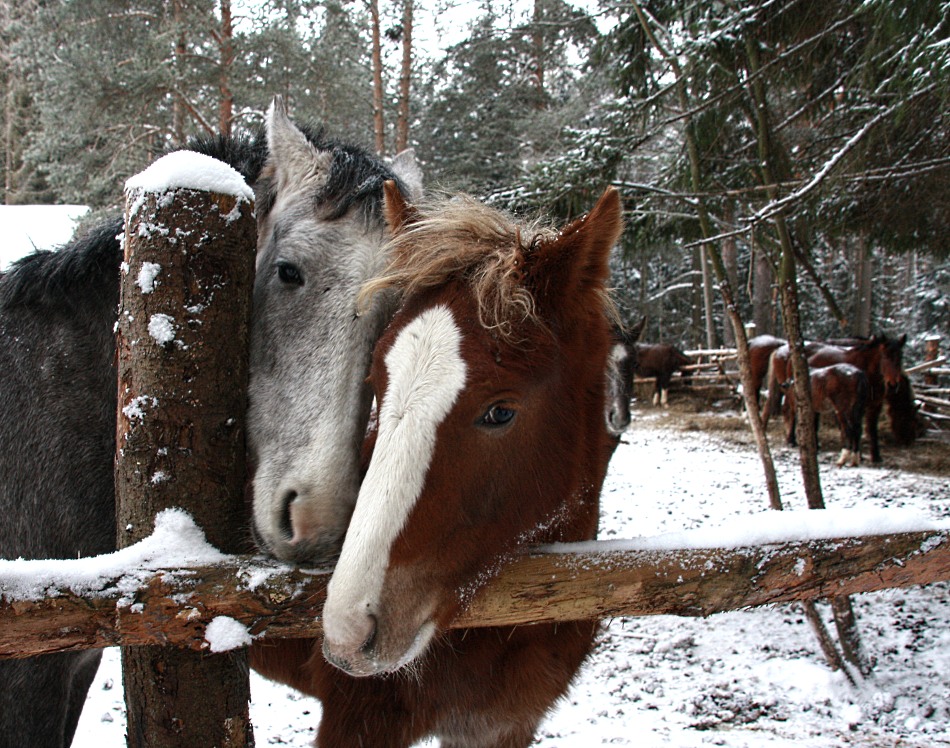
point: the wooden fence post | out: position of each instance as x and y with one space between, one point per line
931 353
182 359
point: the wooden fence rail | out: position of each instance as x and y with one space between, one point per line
174 606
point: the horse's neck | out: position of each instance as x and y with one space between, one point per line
871 363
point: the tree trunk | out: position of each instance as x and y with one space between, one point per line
405 79
730 263
749 393
178 57
379 128
182 361
763 303
698 300
788 289
863 273
712 340
226 46
537 42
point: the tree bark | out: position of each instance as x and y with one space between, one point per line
226 47
806 428
863 274
379 128
750 394
182 361
762 301
537 42
730 263
405 79
174 607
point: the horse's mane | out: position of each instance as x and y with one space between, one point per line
356 179
461 239
91 260
85 265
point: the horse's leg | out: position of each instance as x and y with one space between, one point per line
872 414
41 698
788 413
519 737
857 420
846 428
663 385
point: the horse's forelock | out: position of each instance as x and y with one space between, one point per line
461 239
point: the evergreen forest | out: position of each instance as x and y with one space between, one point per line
758 146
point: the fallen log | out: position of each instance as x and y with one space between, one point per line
158 602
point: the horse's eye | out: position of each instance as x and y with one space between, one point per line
289 273
497 415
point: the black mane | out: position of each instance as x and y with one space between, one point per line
245 153
86 265
356 179
90 262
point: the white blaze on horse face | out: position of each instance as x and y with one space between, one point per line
426 372
615 390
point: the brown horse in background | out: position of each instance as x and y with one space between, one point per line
621 366
881 359
662 361
778 373
845 387
902 412
761 348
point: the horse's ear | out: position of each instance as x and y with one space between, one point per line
406 167
396 209
637 331
575 263
293 159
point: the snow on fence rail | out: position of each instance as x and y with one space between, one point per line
159 592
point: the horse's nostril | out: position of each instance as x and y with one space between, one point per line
370 640
286 524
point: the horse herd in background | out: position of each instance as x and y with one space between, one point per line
501 395
854 377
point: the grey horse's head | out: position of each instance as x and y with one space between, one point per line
321 235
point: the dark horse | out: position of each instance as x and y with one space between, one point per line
321 234
880 358
845 387
902 412
621 366
490 384
660 360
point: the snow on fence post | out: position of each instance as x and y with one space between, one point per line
182 341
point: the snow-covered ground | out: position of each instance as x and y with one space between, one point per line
743 680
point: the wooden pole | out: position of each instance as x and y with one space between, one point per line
931 353
182 360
